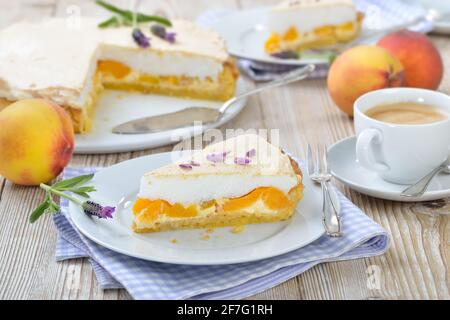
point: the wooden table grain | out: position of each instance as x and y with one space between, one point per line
415 267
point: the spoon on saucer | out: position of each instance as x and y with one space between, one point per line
418 189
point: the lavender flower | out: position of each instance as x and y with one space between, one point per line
76 185
94 209
140 38
161 32
250 153
242 161
216 157
185 166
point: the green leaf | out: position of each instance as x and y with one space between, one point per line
82 194
40 210
161 20
111 7
72 182
54 207
128 15
84 189
111 22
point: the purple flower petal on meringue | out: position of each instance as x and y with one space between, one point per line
185 166
216 157
161 32
171 37
250 153
140 38
242 161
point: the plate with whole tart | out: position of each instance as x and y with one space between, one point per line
105 76
298 32
237 200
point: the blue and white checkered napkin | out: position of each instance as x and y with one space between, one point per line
154 280
379 14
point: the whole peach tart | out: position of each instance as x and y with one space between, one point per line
70 64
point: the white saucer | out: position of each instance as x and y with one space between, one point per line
118 185
343 165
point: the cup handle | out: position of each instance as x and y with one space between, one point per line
367 143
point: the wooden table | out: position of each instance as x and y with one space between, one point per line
415 267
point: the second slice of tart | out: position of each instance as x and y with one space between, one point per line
303 24
239 181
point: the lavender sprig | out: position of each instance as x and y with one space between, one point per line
74 185
125 17
140 38
161 32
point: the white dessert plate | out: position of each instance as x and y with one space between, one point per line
343 165
246 32
116 107
118 185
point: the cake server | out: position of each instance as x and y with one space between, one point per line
205 115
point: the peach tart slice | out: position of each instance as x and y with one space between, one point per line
238 181
303 24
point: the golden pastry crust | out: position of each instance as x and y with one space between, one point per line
4 103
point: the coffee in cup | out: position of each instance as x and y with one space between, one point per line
406 113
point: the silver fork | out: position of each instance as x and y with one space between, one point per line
319 173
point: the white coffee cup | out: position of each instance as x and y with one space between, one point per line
401 153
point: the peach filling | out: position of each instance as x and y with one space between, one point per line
116 69
273 43
273 199
291 34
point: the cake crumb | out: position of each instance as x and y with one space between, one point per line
237 229
205 237
207 232
174 241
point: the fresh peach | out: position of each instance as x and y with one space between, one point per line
359 70
420 58
36 141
